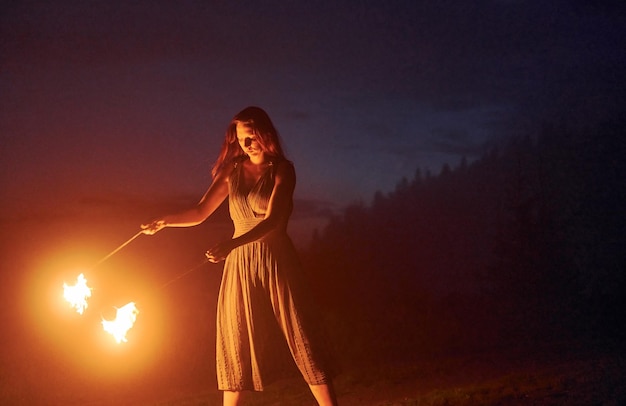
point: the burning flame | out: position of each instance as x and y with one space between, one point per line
78 294
124 320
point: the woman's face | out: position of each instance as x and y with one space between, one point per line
248 141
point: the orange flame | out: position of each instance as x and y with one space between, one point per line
124 320
78 294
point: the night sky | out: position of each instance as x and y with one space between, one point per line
128 101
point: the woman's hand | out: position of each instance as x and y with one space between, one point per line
220 251
152 227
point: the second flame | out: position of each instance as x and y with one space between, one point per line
124 319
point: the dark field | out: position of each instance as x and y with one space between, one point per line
558 374
52 356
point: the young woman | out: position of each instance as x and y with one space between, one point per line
261 286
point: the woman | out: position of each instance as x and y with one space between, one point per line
261 282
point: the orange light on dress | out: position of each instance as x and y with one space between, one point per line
124 320
77 294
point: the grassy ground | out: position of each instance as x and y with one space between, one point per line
563 374
567 373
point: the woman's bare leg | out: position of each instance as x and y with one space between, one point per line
231 398
324 394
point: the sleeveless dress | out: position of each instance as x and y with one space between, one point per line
261 290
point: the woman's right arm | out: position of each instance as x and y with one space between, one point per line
212 199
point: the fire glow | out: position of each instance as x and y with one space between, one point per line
124 320
77 294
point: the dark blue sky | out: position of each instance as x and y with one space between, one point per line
106 101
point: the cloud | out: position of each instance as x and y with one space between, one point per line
297 115
313 208
454 142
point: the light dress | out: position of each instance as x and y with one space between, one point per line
261 290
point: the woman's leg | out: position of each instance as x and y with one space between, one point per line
231 398
324 394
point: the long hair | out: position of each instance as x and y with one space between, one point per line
263 129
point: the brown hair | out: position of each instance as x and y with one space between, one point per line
261 126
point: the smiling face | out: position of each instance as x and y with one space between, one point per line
250 133
248 142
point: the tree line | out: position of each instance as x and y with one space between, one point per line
527 240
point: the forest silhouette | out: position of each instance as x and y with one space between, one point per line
522 245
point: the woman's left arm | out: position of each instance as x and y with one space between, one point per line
278 211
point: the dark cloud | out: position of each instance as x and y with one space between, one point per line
312 208
456 143
297 115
